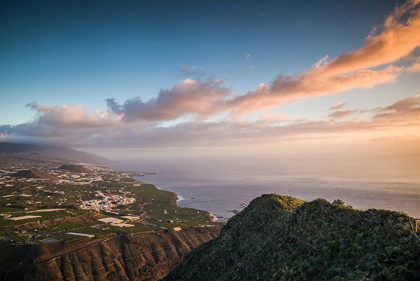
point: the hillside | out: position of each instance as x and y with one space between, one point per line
139 256
50 151
283 238
35 174
75 169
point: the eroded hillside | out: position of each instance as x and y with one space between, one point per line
140 256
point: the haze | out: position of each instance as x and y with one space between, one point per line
171 79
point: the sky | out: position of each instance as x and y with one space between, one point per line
206 77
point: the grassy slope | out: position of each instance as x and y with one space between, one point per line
283 238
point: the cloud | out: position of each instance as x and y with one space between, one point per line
247 56
190 71
268 117
135 122
187 97
337 105
72 116
414 67
341 113
286 88
399 37
406 111
398 139
228 132
247 69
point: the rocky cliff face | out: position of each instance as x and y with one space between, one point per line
284 238
141 256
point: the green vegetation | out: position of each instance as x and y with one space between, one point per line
283 238
136 256
156 208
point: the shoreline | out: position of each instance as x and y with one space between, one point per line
176 198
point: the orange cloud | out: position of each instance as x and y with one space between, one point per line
403 114
399 37
341 113
187 97
337 106
397 40
73 116
286 88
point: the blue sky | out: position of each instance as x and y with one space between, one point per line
141 73
81 52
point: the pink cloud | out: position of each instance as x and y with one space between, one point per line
406 111
187 97
337 106
403 113
286 88
399 37
341 113
73 116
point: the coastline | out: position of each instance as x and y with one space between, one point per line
176 198
218 192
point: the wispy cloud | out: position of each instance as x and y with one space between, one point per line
268 127
364 68
341 113
135 122
190 71
400 36
406 110
337 106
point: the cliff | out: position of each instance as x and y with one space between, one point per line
284 238
140 256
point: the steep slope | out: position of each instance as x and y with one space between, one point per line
52 151
140 256
35 174
283 238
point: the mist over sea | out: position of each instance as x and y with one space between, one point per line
219 184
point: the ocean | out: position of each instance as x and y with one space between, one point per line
221 184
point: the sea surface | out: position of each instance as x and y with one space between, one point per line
222 184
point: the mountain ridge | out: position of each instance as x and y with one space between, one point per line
52 151
284 238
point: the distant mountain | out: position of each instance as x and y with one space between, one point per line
35 174
52 151
75 168
284 238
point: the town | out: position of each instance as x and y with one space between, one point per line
48 201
